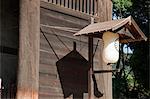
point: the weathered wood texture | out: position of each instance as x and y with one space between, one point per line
29 45
85 6
104 10
90 71
105 79
62 43
50 84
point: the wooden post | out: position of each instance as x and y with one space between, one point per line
104 79
90 72
29 44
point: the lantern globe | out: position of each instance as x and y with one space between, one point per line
110 52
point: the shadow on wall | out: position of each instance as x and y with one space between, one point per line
73 73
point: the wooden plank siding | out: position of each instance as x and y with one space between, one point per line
49 82
50 85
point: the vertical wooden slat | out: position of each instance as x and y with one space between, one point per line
74 4
70 3
54 1
95 7
91 7
58 2
29 45
77 5
62 2
66 3
85 6
88 6
81 5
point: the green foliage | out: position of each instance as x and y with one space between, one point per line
140 64
122 5
140 58
134 84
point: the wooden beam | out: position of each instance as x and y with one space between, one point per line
104 80
29 45
90 71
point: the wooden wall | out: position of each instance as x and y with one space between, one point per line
61 43
52 83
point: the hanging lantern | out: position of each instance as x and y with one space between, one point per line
111 47
126 28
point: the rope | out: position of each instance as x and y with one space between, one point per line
57 27
60 40
49 44
80 42
95 48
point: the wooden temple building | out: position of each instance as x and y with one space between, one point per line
41 59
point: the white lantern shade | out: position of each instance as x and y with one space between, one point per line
110 52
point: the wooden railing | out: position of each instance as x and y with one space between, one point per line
85 6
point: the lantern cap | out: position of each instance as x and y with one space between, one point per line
127 29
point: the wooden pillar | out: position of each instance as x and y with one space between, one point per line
104 10
90 72
29 44
104 79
